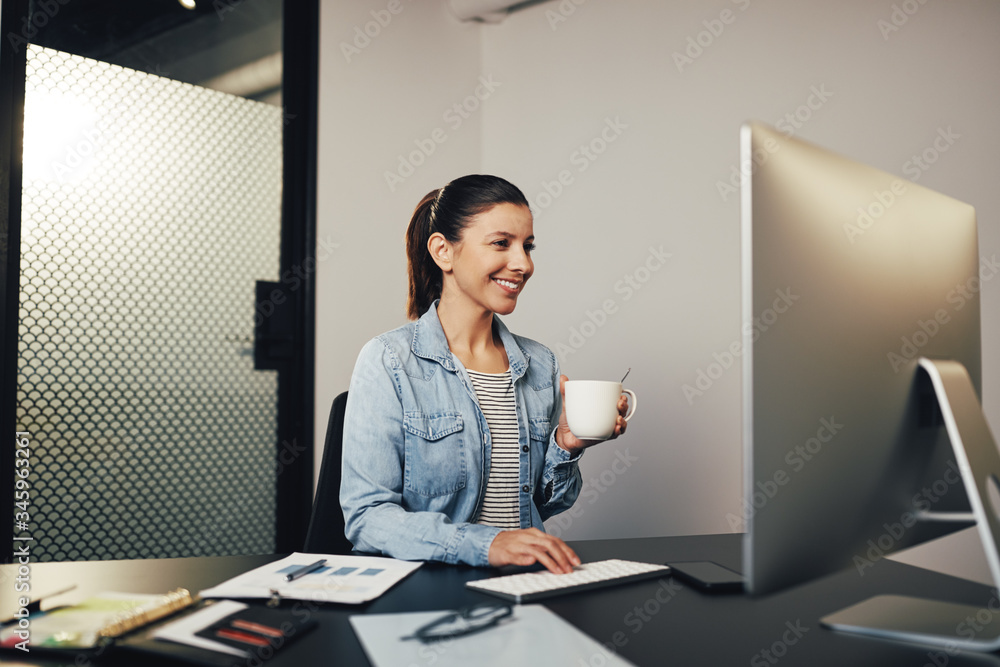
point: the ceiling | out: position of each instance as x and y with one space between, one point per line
100 29
164 38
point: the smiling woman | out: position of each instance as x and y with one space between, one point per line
442 218
456 446
488 268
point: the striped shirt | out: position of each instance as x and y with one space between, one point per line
501 506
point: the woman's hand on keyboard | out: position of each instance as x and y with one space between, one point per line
528 546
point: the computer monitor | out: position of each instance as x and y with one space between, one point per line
857 287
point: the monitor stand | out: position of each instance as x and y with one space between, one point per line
931 621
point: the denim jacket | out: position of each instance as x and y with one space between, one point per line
417 448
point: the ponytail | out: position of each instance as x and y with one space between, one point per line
424 274
448 210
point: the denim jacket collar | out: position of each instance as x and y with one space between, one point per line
429 342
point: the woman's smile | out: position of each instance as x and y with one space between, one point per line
510 286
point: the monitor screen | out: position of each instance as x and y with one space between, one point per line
850 275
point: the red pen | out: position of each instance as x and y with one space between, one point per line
259 628
244 637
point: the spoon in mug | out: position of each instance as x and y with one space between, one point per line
626 373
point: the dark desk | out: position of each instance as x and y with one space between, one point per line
655 622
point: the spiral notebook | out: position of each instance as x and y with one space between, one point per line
217 634
95 622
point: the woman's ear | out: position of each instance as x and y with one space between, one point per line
440 250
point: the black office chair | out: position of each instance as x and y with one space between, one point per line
326 525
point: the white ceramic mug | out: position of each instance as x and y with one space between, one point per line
592 407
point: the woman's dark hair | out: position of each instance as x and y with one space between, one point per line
448 210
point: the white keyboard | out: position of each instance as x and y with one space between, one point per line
530 586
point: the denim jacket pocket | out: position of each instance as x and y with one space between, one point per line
435 453
538 429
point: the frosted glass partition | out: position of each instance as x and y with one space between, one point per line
150 208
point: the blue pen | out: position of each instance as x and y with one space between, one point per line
305 569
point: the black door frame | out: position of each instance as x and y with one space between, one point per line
296 383
296 379
13 62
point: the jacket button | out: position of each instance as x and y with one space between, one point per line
525 488
524 448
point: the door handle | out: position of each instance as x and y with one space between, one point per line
274 326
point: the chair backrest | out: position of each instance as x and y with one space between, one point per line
326 525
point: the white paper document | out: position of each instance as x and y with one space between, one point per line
532 635
344 579
184 630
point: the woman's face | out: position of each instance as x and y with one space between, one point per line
492 261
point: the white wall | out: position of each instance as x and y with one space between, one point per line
607 74
374 105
